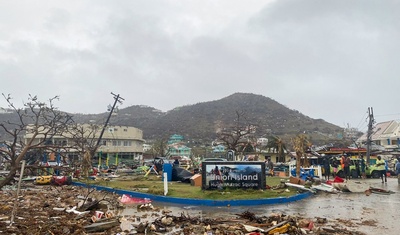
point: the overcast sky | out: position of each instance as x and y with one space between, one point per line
327 59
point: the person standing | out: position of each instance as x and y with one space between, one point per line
270 165
176 162
397 170
362 166
380 166
335 165
347 163
358 170
342 160
386 167
327 167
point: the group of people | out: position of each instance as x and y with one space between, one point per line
383 167
345 163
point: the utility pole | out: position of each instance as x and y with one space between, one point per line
369 132
117 99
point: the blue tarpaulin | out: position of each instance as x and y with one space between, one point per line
304 174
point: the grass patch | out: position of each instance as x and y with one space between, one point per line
154 185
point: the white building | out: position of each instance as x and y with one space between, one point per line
147 147
3 110
262 141
386 134
119 144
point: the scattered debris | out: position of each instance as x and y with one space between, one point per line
126 199
380 191
67 209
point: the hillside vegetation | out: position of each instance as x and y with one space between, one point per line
201 121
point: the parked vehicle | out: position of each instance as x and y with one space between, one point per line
281 167
370 171
212 160
353 169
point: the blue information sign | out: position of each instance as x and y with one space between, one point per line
244 175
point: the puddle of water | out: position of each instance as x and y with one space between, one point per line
356 207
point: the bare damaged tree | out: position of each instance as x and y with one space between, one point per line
40 120
84 139
87 141
300 145
160 148
239 134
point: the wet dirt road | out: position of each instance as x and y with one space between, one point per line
374 214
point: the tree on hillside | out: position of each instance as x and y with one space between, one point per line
300 145
278 146
41 121
237 135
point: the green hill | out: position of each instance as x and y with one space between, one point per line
201 121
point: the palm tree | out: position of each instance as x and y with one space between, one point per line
278 146
300 144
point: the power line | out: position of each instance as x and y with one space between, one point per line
363 127
363 120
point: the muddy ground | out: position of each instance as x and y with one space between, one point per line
373 214
72 210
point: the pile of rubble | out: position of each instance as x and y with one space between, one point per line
54 210
75 210
246 223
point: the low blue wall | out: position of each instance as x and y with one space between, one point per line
201 202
